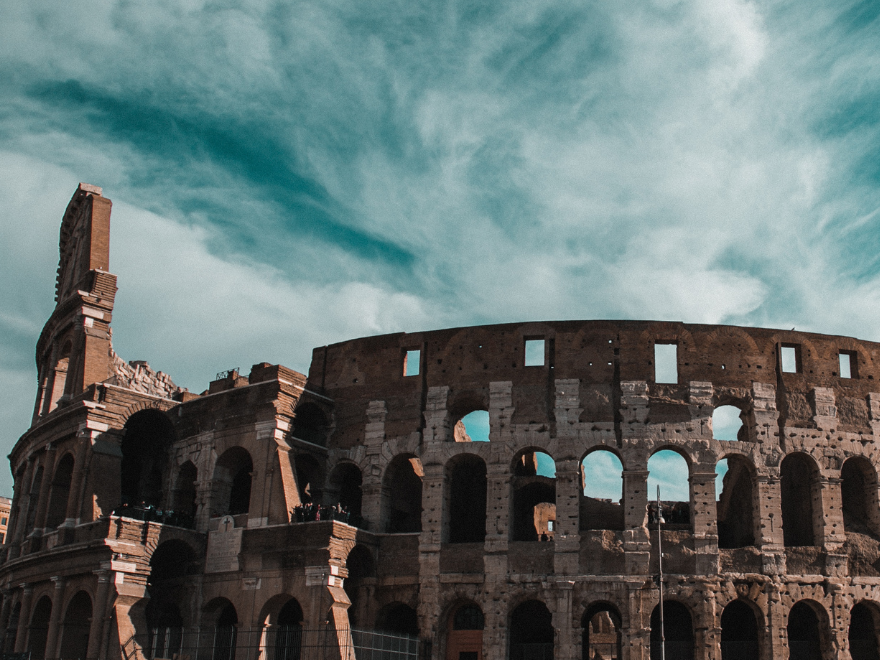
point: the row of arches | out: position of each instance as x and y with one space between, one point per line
73 635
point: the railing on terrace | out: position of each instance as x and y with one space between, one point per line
149 513
270 643
312 512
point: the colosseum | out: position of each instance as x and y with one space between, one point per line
349 514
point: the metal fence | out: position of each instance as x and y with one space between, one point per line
270 643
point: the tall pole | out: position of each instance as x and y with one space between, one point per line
660 580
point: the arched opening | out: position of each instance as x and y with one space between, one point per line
534 497
34 500
863 629
804 636
465 499
602 638
309 479
147 439
858 486
736 503
602 489
75 629
531 632
669 470
287 643
38 631
345 484
57 511
727 424
399 619
225 630
799 485
12 629
678 631
232 483
185 507
170 563
739 632
473 427
361 577
402 495
465 633
310 424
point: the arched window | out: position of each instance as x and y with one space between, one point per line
531 632
678 631
534 497
39 628
669 470
309 478
805 637
736 503
232 483
858 487
185 507
799 485
602 487
225 630
465 634
863 632
402 495
465 499
398 618
75 629
60 492
602 637
473 427
310 424
345 484
148 436
288 632
739 632
361 568
727 424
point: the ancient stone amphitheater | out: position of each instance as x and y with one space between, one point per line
349 513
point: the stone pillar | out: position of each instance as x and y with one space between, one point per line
769 513
99 619
495 633
24 617
567 410
636 637
501 410
53 636
567 540
565 644
830 532
704 518
636 543
777 619
374 437
43 501
763 418
429 548
436 416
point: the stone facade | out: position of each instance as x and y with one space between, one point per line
276 501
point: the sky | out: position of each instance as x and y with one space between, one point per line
291 174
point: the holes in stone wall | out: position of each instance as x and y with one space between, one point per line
727 423
602 489
665 362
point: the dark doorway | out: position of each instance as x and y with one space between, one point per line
225 633
39 628
402 495
859 493
232 483
863 633
602 639
148 436
465 635
804 640
361 569
60 492
739 632
798 476
466 499
679 631
531 632
185 494
735 506
398 618
346 480
310 424
288 632
75 629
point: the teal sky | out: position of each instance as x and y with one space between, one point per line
290 174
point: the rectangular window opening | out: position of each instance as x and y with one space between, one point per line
411 361
665 363
534 353
790 355
848 364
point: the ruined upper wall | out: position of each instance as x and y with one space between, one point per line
600 355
